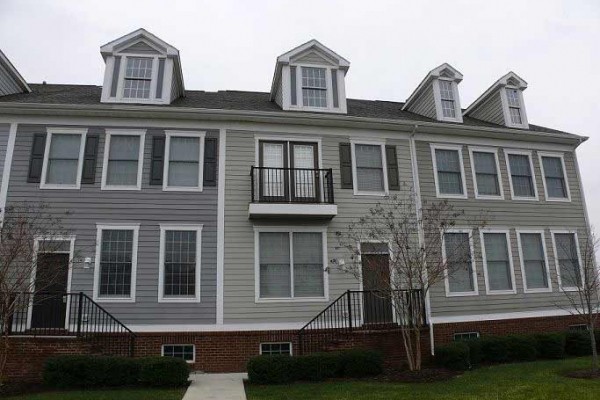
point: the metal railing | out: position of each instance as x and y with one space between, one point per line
70 314
360 310
291 185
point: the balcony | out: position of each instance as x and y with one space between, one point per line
292 192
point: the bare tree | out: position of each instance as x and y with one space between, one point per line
424 246
580 281
27 230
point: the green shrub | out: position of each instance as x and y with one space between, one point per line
163 372
360 363
578 343
475 351
271 369
494 349
453 356
521 348
84 371
316 367
550 345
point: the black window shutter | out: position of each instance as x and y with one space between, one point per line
210 162
346 165
392 168
88 174
36 159
158 160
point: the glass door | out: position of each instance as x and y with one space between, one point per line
304 177
273 173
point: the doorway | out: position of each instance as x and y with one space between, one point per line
49 306
377 306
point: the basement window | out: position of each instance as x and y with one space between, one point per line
464 336
276 349
186 352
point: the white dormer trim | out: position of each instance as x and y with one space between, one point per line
438 101
506 110
336 58
142 35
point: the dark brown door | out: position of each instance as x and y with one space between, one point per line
377 307
304 176
50 302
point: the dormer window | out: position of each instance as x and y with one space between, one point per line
138 78
314 87
447 97
514 107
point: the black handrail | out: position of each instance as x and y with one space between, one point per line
291 185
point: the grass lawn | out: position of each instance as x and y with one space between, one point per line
526 381
116 394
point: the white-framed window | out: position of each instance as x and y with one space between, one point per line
369 170
290 264
465 336
460 272
179 263
184 161
137 79
314 87
521 175
497 258
535 269
554 177
445 92
447 99
116 263
487 178
276 349
567 259
123 159
514 106
448 170
186 352
63 158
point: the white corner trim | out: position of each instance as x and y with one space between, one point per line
170 134
161 262
507 153
457 148
10 147
540 232
553 233
381 144
63 131
506 233
490 150
501 316
221 225
475 291
561 157
134 256
126 132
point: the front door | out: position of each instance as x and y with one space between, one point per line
50 302
377 306
273 177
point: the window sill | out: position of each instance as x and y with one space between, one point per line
182 189
488 197
179 300
117 187
114 299
524 198
500 292
53 186
378 194
558 199
569 289
293 300
530 291
461 294
452 196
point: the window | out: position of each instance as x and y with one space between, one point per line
555 179
534 264
63 158
290 265
522 179
486 173
566 253
123 160
179 268
497 262
314 87
460 268
514 106
370 173
184 168
448 171
276 349
447 97
578 328
138 78
465 336
186 352
116 263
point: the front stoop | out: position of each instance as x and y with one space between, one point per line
216 387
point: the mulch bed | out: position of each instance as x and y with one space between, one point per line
582 374
16 389
423 376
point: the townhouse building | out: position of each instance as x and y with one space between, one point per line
203 225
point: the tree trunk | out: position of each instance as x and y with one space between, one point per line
594 348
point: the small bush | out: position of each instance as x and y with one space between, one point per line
360 363
316 367
521 348
271 369
163 372
578 343
453 356
475 351
494 349
550 345
85 371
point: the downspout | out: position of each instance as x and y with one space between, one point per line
419 206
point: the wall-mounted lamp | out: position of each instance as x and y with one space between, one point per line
87 262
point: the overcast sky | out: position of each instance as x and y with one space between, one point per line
553 45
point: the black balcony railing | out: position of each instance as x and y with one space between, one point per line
361 310
69 314
292 185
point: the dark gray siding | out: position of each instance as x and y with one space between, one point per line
149 207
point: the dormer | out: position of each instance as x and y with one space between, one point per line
437 96
11 81
502 103
141 69
310 77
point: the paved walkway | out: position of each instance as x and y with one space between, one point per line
216 387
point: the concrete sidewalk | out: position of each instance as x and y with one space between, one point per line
216 387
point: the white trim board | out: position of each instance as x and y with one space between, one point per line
500 316
221 225
10 147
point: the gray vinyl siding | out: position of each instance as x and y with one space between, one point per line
7 84
279 93
176 85
4 132
510 214
490 110
239 270
425 103
148 207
